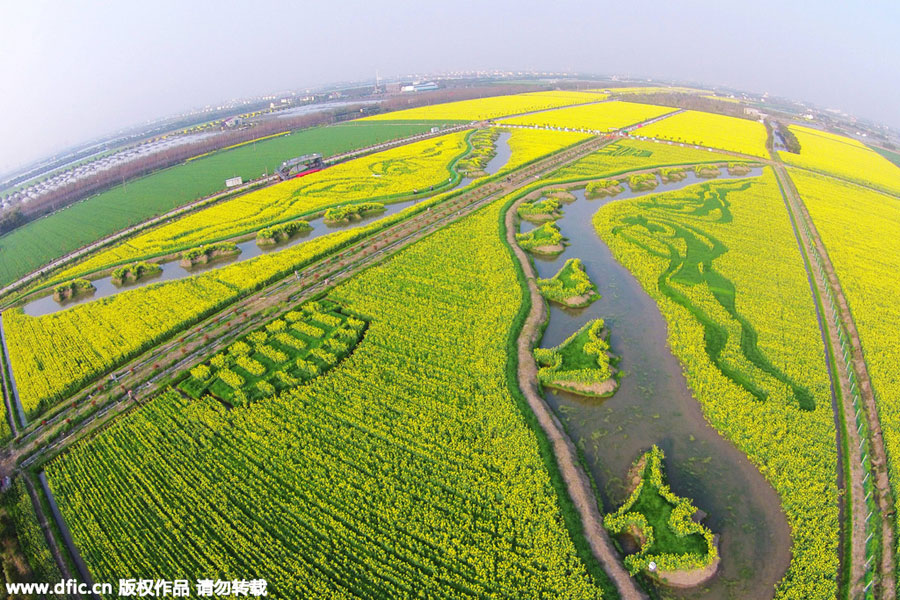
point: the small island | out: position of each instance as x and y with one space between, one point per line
673 546
739 168
602 187
134 272
73 289
540 211
341 215
707 171
206 254
672 174
642 182
570 287
561 194
545 240
581 364
278 234
484 148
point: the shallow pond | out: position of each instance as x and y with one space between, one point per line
654 406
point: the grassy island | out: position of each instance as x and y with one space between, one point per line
73 289
281 233
208 253
540 211
581 364
134 272
603 187
674 547
341 215
545 240
570 287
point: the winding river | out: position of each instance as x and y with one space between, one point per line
654 406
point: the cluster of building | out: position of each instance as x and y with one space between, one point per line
94 167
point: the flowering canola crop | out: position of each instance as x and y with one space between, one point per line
859 229
742 322
708 129
406 471
397 171
844 157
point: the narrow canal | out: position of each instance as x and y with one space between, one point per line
172 270
654 406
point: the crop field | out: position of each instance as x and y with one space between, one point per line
45 239
605 116
57 354
742 322
527 145
406 471
859 228
628 155
843 157
488 108
30 537
707 129
395 172
282 355
426 415
892 156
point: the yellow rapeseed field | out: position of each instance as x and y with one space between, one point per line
859 229
529 144
630 154
715 131
399 170
844 157
604 116
489 108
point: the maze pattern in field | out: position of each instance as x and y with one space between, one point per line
278 356
407 471
628 155
742 322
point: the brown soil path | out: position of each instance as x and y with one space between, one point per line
886 589
577 483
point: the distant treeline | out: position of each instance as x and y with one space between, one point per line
790 140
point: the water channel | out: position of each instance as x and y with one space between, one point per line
172 270
654 406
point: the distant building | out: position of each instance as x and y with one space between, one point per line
419 87
234 181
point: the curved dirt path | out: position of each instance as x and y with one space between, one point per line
886 589
576 481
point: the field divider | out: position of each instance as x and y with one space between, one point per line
874 540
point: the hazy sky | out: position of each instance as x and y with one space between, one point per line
72 70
